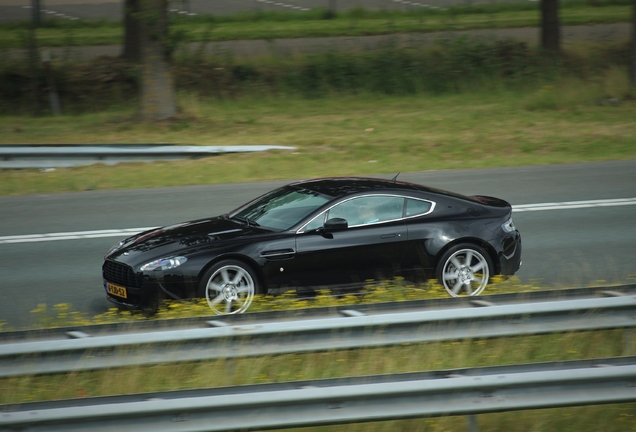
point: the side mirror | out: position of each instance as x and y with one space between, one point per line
336 224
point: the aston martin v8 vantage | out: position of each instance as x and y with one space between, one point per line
330 232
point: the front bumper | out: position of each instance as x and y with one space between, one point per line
149 292
136 298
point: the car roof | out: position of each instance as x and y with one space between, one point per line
340 186
336 187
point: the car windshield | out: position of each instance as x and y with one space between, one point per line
280 209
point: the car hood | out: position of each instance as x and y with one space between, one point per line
180 238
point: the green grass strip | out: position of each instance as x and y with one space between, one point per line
211 28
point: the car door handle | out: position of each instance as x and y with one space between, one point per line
386 236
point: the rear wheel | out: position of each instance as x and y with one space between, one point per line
229 287
464 270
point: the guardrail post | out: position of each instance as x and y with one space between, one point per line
473 426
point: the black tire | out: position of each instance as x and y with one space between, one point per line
461 278
229 287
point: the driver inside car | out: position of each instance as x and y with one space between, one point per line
367 215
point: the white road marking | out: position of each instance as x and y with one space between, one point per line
32 238
574 205
126 232
285 5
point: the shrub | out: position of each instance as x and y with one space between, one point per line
452 65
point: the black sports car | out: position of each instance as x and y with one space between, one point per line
330 232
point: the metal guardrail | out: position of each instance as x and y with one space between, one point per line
354 330
349 400
443 303
49 156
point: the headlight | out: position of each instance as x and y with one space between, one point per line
164 263
116 247
509 226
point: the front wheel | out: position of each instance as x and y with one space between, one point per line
229 287
464 270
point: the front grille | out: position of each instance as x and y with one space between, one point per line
121 274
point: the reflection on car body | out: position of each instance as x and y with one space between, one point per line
323 232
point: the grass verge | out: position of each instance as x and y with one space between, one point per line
409 358
346 363
358 22
569 121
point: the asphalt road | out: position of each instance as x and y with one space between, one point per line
563 247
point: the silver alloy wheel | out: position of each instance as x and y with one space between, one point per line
465 273
230 290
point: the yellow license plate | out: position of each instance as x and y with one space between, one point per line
117 290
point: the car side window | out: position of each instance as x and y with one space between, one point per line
318 222
416 207
369 209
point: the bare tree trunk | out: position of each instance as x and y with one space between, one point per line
35 13
632 63
331 10
54 97
158 100
34 55
34 67
132 31
550 27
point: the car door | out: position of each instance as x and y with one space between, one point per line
371 247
